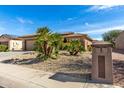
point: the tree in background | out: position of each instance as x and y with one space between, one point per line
111 36
47 43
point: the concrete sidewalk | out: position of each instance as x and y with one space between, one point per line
14 76
17 76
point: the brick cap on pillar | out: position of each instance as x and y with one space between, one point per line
101 44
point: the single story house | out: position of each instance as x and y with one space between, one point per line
27 42
11 41
119 41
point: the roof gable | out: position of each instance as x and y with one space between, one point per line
8 36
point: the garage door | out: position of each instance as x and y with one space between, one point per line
29 44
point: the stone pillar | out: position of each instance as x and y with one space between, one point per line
102 62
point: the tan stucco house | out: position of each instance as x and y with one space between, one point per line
11 41
27 42
119 41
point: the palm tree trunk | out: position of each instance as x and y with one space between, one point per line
45 48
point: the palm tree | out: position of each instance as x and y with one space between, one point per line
56 40
47 43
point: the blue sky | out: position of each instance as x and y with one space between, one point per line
91 20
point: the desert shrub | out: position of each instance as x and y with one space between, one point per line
75 47
3 48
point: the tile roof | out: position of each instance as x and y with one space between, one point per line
26 36
78 35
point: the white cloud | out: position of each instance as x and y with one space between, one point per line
68 19
103 30
80 27
86 24
91 25
71 18
23 21
99 38
95 30
101 7
98 32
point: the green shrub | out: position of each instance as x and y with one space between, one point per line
82 48
74 47
65 47
3 48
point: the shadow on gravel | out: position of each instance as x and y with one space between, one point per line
67 54
21 61
1 87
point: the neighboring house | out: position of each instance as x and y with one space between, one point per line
27 42
5 38
11 41
83 38
119 41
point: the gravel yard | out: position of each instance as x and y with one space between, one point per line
75 65
118 67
